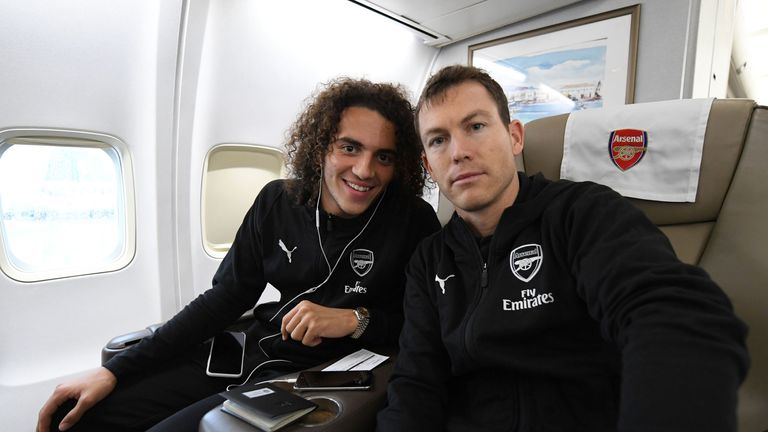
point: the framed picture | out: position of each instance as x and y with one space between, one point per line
580 64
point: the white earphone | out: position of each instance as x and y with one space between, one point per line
316 287
320 243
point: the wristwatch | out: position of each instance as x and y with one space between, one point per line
363 317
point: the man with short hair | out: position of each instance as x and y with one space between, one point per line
334 241
549 306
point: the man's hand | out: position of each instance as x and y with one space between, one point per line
87 390
309 323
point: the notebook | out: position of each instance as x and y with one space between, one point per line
265 406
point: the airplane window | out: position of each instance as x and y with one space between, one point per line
62 208
232 177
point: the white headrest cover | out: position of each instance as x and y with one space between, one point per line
649 151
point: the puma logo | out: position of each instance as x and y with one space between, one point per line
285 249
441 282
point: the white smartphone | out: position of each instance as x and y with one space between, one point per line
334 380
227 355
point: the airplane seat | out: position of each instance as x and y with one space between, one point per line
125 341
337 410
722 231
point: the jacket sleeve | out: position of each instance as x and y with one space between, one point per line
683 349
236 287
418 385
387 319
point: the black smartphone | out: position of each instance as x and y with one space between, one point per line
334 380
227 355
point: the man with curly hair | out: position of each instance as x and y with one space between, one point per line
333 240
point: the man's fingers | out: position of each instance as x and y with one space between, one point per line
74 415
299 330
308 322
310 338
284 324
82 393
306 332
46 412
44 417
43 421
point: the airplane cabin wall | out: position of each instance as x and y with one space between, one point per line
259 62
95 66
667 37
171 79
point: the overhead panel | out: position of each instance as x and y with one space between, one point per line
441 23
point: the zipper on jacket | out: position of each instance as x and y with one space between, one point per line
463 231
478 298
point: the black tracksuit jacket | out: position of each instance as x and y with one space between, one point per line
277 243
581 318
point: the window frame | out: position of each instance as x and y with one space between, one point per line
218 250
82 139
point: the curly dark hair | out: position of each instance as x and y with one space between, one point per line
314 130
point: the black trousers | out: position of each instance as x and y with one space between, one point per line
173 397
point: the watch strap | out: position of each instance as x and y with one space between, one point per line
363 318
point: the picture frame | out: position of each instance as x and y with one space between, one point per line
580 64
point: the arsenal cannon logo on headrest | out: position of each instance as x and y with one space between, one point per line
627 147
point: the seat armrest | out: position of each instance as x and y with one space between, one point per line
356 409
125 341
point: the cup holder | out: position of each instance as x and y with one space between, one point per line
327 410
